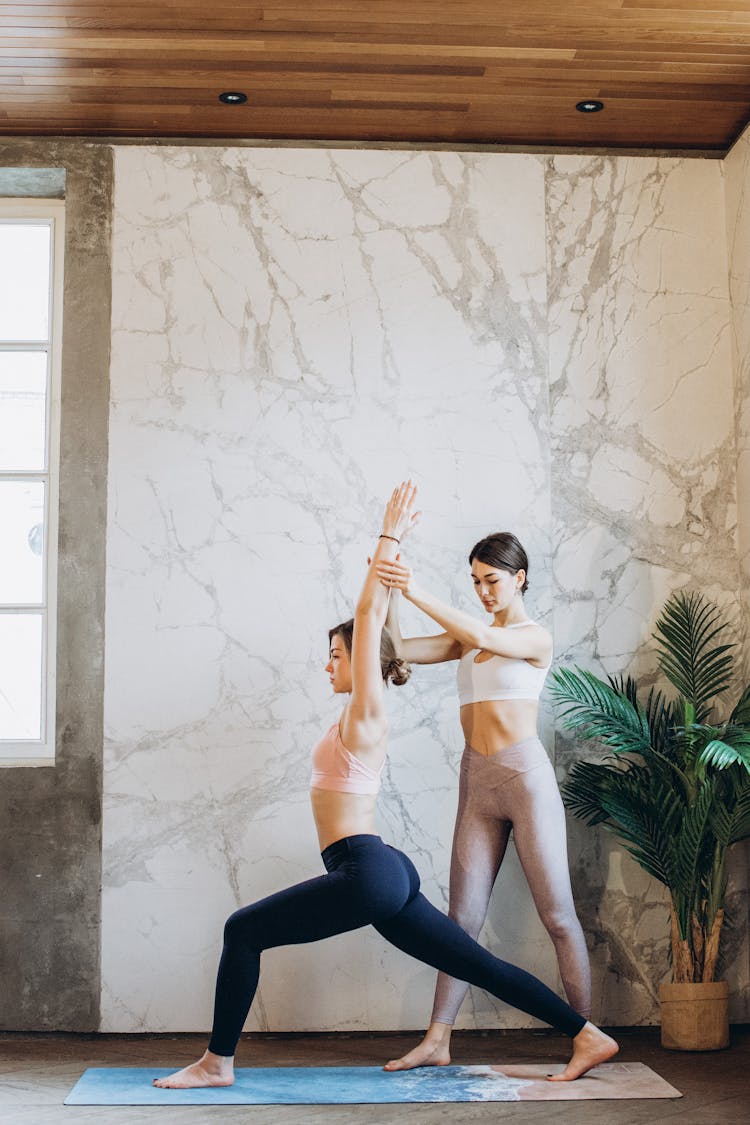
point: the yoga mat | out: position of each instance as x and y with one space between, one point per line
363 1085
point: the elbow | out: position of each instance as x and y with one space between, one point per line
367 608
481 637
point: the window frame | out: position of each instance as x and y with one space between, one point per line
41 752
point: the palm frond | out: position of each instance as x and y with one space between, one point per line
642 828
598 710
583 789
733 748
741 714
625 685
661 721
667 753
738 826
694 845
730 826
643 811
657 709
689 656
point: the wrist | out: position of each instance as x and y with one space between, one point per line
414 593
384 535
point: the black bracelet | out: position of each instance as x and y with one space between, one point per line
393 537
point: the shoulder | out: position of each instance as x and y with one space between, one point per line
542 643
538 629
530 641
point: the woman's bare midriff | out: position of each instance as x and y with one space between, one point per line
338 815
496 724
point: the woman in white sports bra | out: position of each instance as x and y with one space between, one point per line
507 781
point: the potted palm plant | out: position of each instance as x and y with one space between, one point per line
674 788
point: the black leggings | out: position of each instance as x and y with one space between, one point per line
368 883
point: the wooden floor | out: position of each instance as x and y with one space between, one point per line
37 1071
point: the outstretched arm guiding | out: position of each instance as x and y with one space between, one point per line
527 644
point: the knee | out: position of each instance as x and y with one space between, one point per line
237 928
560 924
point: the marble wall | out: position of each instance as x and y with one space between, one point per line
736 169
543 344
643 478
737 186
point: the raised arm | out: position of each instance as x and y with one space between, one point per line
364 720
519 644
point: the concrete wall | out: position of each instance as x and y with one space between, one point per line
50 818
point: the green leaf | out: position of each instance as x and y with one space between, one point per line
583 789
643 811
721 753
661 721
686 634
694 844
597 710
640 829
739 822
741 714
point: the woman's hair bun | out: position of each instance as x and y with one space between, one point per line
398 672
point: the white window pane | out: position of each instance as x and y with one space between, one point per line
20 676
24 280
22 542
23 391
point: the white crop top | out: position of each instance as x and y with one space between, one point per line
498 677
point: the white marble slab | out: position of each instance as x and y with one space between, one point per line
294 331
544 345
644 459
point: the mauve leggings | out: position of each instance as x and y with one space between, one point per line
368 883
514 789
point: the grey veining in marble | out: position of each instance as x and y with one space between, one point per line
644 462
293 332
544 345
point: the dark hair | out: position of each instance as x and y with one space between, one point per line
394 669
503 551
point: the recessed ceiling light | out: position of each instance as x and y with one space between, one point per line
233 97
591 105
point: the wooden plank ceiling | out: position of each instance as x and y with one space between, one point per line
671 73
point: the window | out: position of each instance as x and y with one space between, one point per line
31 260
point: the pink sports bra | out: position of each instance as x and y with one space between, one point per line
336 768
498 677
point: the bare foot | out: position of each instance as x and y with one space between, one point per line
590 1047
434 1050
210 1070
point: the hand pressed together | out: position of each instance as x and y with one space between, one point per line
396 575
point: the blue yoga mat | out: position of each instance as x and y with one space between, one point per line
362 1085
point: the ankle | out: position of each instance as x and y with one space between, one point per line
217 1064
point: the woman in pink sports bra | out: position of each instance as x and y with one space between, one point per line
367 882
506 781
